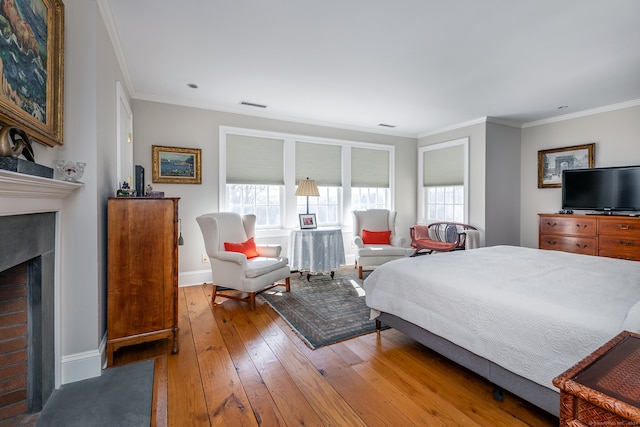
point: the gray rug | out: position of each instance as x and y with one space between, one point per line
323 310
120 397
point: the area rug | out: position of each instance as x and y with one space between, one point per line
119 397
323 310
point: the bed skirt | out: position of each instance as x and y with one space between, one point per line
540 396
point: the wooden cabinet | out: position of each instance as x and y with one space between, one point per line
142 289
602 235
604 388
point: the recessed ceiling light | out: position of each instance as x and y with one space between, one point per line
384 125
562 107
252 104
192 85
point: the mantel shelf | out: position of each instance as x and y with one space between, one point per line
19 185
24 194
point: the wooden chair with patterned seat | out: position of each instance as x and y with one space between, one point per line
442 237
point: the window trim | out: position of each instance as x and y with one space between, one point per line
422 213
289 212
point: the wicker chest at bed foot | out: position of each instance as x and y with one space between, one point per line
604 388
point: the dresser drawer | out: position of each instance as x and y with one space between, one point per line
568 225
620 254
576 245
619 226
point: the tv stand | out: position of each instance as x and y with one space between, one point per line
609 235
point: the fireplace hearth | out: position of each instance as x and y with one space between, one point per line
27 272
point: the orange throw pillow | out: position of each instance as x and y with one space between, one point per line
376 237
248 248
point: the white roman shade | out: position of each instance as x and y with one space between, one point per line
254 160
320 162
444 166
369 168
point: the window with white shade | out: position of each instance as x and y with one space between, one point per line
443 175
370 188
255 178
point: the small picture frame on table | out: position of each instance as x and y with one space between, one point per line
308 221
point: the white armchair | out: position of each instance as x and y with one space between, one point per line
375 239
233 271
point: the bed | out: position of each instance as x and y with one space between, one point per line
516 316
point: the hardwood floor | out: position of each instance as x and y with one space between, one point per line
238 367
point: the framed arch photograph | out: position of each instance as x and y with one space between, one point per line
552 162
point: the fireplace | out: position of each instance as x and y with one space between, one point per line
27 260
31 210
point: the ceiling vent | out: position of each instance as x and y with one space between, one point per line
252 104
384 125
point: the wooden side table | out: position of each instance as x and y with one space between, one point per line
604 388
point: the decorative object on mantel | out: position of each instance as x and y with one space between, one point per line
69 170
10 147
13 143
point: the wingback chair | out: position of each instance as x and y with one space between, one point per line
237 264
375 239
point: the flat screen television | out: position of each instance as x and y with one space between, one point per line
608 190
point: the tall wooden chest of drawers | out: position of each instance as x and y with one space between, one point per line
602 235
142 288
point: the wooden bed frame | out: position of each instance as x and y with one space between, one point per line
543 397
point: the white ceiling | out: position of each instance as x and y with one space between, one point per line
420 65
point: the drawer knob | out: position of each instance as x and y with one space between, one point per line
583 246
624 227
581 226
623 243
550 242
552 225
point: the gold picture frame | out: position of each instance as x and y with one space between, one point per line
175 165
552 162
33 86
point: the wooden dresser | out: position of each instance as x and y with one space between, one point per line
602 235
142 293
604 388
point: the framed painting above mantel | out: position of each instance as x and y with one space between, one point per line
31 68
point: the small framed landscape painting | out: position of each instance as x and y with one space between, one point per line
174 165
552 162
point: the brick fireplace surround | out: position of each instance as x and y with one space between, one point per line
30 210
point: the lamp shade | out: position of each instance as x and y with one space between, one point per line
307 187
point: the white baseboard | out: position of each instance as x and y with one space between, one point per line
81 366
192 278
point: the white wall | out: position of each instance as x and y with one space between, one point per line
90 72
171 125
617 137
502 226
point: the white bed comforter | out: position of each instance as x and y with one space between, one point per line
533 312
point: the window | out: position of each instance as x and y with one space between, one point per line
326 207
259 172
442 171
445 203
363 198
262 200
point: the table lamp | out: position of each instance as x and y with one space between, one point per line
307 187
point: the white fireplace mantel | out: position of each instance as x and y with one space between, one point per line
23 194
